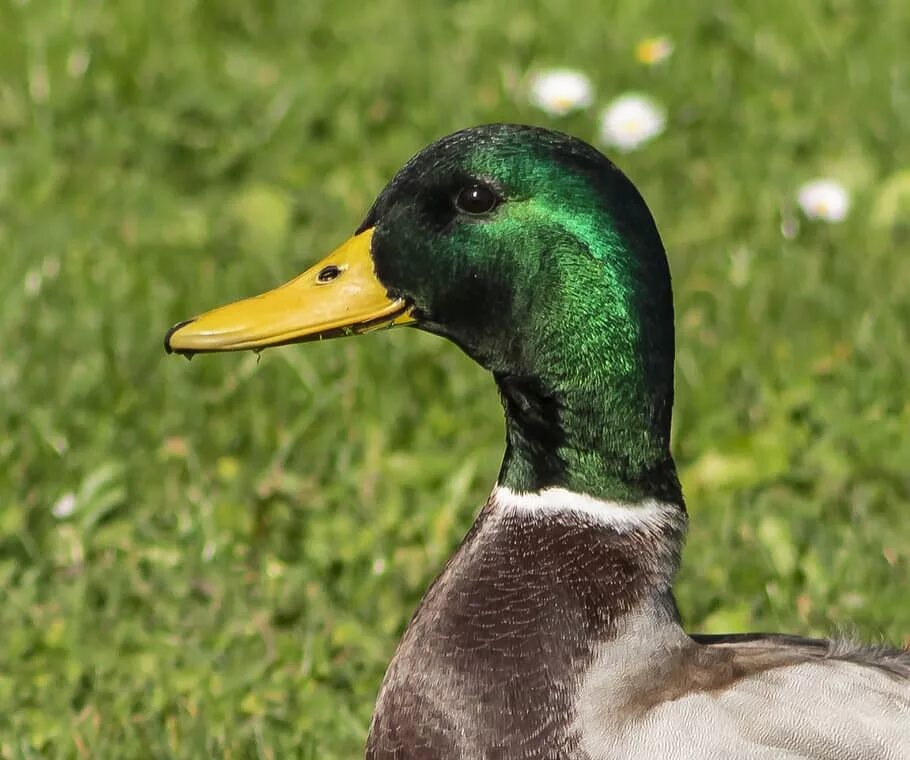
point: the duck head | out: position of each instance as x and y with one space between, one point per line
532 252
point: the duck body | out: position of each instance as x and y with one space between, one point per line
581 656
552 633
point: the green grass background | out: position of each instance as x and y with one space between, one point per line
251 535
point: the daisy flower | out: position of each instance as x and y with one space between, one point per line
653 50
630 121
64 506
824 199
559 91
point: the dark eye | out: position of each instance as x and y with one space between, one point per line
476 199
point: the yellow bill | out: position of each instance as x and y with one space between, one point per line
340 295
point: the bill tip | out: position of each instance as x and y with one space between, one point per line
170 333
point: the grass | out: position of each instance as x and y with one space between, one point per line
247 538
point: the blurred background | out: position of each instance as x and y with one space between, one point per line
218 558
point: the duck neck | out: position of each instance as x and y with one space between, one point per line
606 434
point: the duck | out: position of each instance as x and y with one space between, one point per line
552 633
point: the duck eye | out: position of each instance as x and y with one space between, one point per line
476 199
328 273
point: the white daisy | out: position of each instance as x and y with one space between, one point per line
653 50
559 91
630 121
824 199
64 506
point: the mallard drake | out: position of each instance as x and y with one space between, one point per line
553 631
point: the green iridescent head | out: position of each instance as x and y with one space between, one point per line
538 257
